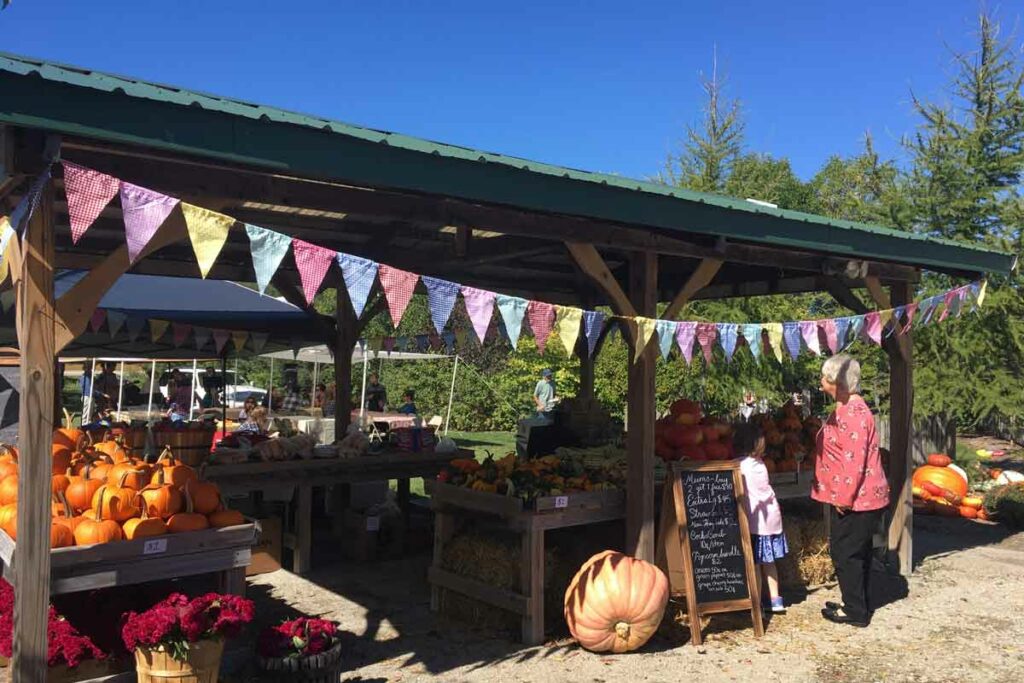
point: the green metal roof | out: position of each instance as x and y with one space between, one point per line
81 102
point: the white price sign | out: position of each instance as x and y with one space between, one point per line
154 546
561 501
373 523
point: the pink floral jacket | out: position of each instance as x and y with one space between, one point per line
848 467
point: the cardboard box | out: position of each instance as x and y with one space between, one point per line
266 553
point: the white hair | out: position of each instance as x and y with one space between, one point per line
843 371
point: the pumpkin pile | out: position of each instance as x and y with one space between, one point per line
551 475
101 494
615 603
788 438
686 434
940 488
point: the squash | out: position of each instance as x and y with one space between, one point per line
143 526
972 502
943 477
115 502
983 514
100 468
615 602
205 496
190 520
225 517
9 519
113 449
939 460
160 499
81 490
61 458
968 512
9 489
94 529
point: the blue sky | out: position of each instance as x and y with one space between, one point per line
601 85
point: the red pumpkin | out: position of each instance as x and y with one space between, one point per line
968 512
685 411
717 450
709 433
939 460
615 602
683 436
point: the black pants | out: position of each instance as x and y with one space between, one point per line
850 545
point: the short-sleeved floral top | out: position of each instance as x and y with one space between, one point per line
848 467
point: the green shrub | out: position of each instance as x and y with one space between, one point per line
1005 504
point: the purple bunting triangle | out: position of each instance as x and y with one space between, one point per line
144 212
686 333
593 322
441 296
480 307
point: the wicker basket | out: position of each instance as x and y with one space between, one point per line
325 667
202 665
190 446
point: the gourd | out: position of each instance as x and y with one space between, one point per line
65 515
615 602
143 526
939 460
7 468
61 457
129 474
95 529
59 483
160 499
968 512
67 435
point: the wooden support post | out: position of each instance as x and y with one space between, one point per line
444 529
35 323
643 280
303 529
532 585
344 345
901 467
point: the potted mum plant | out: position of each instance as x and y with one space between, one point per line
182 639
301 649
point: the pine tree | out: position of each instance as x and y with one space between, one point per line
863 188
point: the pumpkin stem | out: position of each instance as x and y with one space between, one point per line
622 630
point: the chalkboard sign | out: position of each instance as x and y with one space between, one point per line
716 544
704 542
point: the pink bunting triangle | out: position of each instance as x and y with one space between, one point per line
179 333
220 338
398 286
88 193
144 212
873 327
313 263
910 312
542 319
480 307
831 334
96 321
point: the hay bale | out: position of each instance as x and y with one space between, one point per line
808 562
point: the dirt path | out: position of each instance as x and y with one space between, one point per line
960 619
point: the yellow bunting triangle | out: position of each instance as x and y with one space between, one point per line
207 230
239 338
157 328
884 317
567 325
774 331
645 328
981 292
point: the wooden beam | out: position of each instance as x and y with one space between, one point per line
293 295
35 323
643 288
901 466
462 235
698 280
883 301
590 262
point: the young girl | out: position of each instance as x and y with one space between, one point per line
255 422
763 512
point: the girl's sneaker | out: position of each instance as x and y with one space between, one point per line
778 607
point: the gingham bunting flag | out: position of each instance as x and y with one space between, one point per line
842 330
313 262
513 310
144 212
30 202
809 332
666 330
728 336
567 327
645 329
97 319
856 328
831 337
791 335
686 333
359 275
441 296
88 193
593 322
775 334
135 325
259 340
873 327
398 286
542 319
268 249
480 307
207 231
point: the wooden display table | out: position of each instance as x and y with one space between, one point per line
225 552
574 509
307 474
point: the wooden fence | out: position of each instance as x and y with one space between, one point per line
932 434
1002 427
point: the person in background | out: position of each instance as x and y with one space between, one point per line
544 396
376 395
85 384
319 395
330 399
763 512
255 422
177 413
107 383
749 406
408 406
849 477
247 408
179 390
292 401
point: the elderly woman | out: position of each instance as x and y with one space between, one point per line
849 477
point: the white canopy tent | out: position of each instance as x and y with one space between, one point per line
322 354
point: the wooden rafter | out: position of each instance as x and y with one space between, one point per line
698 280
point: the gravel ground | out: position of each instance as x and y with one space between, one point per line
961 618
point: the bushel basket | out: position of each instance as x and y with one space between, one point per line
189 446
156 665
325 667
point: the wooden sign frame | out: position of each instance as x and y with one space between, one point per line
674 553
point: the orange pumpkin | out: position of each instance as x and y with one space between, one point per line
63 514
61 457
81 490
130 475
175 472
939 460
112 448
67 436
983 514
9 489
93 529
9 519
968 512
943 477
7 468
8 453
59 483
144 526
162 500
60 535
190 520
205 496
115 502
224 518
100 468
615 602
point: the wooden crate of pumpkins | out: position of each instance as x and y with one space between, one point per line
110 506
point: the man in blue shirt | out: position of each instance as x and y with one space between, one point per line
544 394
